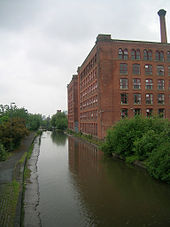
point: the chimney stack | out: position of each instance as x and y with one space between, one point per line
161 14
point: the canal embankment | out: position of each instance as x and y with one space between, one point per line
11 184
30 201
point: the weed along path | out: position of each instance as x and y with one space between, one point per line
31 189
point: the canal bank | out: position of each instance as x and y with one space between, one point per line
11 184
31 216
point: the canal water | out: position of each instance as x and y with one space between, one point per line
80 187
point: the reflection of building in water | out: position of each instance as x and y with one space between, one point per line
83 157
122 78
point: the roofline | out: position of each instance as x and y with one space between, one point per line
108 39
136 41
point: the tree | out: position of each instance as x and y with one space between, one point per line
59 120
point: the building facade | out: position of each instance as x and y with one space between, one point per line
72 94
121 78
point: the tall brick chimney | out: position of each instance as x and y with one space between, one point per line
161 14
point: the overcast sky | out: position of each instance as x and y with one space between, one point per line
42 42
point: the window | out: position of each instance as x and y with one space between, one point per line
149 112
136 83
161 84
123 68
137 98
135 54
123 83
136 69
161 113
120 53
148 84
137 111
168 70
124 113
123 54
159 56
161 98
169 85
124 98
148 69
168 55
149 99
147 55
160 70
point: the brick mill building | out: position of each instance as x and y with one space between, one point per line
120 78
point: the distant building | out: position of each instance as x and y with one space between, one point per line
120 78
72 91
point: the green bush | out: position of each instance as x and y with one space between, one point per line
3 153
158 164
143 139
121 137
143 146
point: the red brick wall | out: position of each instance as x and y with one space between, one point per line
107 109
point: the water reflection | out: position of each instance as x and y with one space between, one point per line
79 187
59 137
112 194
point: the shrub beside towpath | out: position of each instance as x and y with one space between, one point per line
142 139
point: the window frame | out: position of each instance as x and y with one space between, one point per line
136 69
160 70
123 83
137 111
161 84
161 113
161 99
136 83
149 99
148 69
159 55
124 98
124 113
123 68
149 112
148 84
137 99
168 56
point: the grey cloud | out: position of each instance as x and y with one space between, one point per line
42 42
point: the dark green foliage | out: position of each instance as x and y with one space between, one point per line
14 125
11 133
34 121
143 139
59 121
143 146
3 153
158 163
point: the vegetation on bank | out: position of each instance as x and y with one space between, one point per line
8 201
15 124
88 138
142 139
59 121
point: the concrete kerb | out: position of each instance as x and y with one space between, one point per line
18 175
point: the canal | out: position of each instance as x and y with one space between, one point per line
78 186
